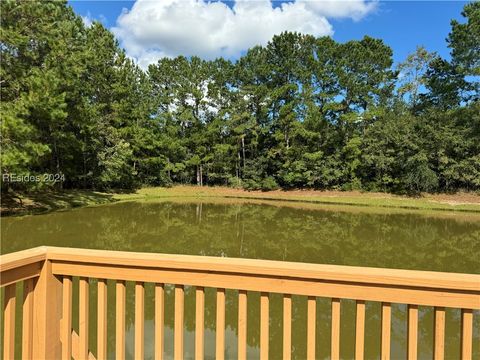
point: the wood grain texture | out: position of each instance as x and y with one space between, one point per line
242 324
277 284
159 320
311 326
21 273
386 330
46 265
360 330
220 327
9 303
120 298
83 316
390 277
75 347
102 319
335 346
67 318
287 327
264 325
27 322
467 334
178 325
439 334
412 330
47 315
139 320
199 322
21 258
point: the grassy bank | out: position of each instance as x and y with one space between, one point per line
41 202
49 201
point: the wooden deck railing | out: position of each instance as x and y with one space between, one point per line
46 273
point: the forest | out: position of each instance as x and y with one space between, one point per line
300 112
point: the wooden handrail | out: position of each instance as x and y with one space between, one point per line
379 276
22 258
21 265
360 283
54 267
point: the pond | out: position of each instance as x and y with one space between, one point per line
442 241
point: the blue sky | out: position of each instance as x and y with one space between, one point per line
146 33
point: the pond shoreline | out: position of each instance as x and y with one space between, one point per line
15 204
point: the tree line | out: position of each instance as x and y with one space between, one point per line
299 112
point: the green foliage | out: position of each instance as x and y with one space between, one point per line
298 112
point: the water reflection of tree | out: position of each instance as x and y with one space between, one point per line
267 232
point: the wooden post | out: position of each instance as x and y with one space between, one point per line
47 314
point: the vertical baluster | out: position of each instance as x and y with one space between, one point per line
386 325
27 324
9 304
335 346
311 326
287 327
178 326
83 318
360 330
139 320
102 319
412 332
242 324
67 318
467 333
220 330
159 320
439 337
264 324
199 322
120 319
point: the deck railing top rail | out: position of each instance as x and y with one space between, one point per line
370 275
381 276
360 283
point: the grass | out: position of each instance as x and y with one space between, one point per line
456 202
15 204
41 202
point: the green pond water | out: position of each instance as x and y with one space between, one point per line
266 230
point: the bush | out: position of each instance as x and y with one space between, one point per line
268 184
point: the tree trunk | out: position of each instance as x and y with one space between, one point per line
243 151
57 159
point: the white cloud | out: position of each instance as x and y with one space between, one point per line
154 29
87 20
